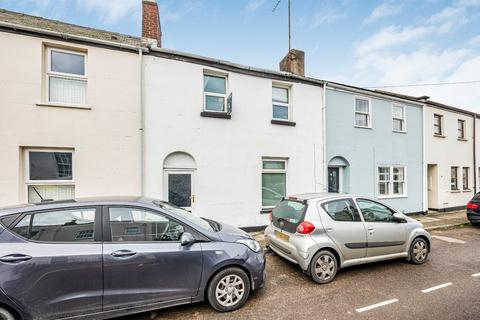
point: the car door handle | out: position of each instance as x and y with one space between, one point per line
15 258
328 228
123 253
371 230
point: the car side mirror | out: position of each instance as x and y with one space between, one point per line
187 239
398 217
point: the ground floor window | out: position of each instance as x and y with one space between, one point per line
274 181
391 181
465 178
49 175
454 178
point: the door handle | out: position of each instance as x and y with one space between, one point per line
15 258
371 230
123 253
328 228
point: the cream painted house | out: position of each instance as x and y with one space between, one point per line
69 111
449 156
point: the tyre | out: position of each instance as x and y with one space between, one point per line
228 290
6 315
324 267
475 223
419 251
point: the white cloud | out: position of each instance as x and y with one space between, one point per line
253 5
176 10
386 9
327 16
449 19
474 41
110 11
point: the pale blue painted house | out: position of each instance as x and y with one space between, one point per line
374 146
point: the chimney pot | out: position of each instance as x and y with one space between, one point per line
151 29
294 62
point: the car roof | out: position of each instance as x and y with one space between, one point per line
319 195
91 201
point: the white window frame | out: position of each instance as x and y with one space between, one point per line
213 94
404 119
452 189
464 125
467 188
440 125
284 171
369 113
49 73
391 181
288 105
28 182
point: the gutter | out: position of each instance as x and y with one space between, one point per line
67 36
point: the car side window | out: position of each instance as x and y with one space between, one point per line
341 210
70 225
374 212
134 224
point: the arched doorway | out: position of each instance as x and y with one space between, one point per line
338 181
178 179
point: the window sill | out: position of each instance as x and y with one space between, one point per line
266 210
361 127
462 139
392 197
439 135
397 131
283 122
467 190
61 105
218 115
455 191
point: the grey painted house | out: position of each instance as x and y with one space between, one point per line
374 146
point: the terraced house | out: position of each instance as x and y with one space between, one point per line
69 111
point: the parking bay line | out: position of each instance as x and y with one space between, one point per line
476 275
437 287
448 239
377 305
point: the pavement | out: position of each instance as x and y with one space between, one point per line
447 286
438 220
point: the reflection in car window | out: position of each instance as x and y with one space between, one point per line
342 210
289 211
132 224
199 222
374 212
73 225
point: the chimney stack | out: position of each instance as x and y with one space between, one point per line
294 62
151 30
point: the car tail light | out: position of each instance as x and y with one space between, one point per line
472 206
305 227
270 216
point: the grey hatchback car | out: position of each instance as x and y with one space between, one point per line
99 258
325 232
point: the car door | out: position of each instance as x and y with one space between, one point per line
51 263
384 234
343 225
144 261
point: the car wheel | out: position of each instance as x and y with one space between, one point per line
419 251
5 314
324 267
228 290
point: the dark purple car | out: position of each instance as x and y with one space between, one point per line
99 258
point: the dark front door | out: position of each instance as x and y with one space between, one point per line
144 262
180 189
333 179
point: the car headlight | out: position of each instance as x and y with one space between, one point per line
252 244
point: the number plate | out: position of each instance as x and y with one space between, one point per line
282 236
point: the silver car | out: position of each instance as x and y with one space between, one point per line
323 232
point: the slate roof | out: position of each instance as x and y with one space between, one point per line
66 28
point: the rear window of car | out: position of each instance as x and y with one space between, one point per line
289 210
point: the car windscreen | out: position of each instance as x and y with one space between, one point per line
288 214
199 222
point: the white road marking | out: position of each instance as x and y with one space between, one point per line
437 287
377 305
448 239
429 219
476 275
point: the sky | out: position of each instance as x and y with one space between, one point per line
394 45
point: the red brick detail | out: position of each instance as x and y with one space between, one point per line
151 22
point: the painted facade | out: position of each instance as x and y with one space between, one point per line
449 155
218 166
367 155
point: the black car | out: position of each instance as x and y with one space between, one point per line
473 210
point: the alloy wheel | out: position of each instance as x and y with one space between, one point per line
420 250
230 290
324 267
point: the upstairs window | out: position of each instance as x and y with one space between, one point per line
461 129
280 102
214 93
66 77
362 113
398 118
437 124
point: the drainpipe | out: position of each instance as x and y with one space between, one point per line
142 124
424 164
324 120
475 153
